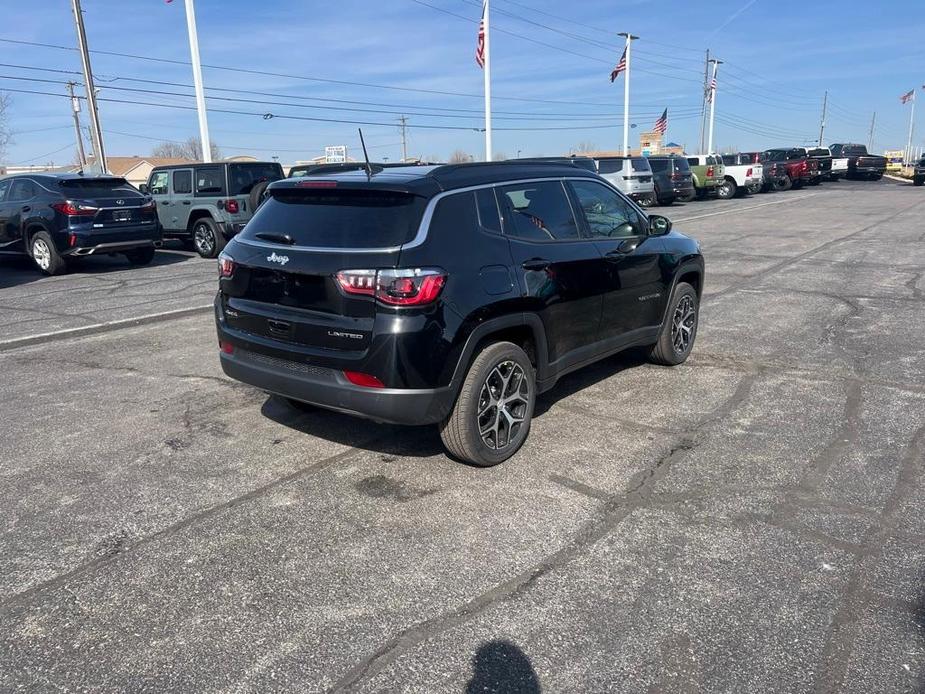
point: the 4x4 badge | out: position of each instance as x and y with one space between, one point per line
281 259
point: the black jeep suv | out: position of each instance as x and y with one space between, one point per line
450 294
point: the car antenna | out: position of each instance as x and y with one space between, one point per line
369 167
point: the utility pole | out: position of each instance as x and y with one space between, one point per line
911 128
870 138
825 103
404 138
486 69
96 132
716 64
197 82
75 107
703 100
626 93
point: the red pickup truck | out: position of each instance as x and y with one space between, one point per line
799 170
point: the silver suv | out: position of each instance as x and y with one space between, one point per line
207 204
632 175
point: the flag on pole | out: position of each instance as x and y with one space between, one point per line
621 67
661 125
908 96
711 90
480 45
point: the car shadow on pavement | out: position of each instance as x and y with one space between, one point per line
918 618
423 441
500 667
17 270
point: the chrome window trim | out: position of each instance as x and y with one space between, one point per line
424 226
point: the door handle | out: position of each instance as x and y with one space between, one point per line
186 202
165 202
535 264
26 208
622 250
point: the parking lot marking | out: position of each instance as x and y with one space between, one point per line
745 209
107 326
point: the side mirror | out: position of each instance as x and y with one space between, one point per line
658 225
143 189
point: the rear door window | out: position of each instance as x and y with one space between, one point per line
537 211
487 204
341 218
210 181
4 188
183 182
22 189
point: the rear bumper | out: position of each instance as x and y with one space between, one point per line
112 247
329 389
229 229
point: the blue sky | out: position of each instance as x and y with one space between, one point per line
780 56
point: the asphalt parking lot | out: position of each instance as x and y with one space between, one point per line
748 522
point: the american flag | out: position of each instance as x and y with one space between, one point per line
480 45
621 67
908 96
711 90
661 125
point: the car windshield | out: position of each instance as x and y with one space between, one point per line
339 218
97 187
243 177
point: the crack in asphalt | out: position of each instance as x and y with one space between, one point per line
612 513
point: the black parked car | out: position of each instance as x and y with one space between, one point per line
55 217
673 179
450 294
918 174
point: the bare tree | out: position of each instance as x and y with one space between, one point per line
6 136
585 147
498 156
460 157
191 149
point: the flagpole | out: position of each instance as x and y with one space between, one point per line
197 82
487 75
712 105
911 122
626 93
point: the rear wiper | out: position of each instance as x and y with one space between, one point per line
278 238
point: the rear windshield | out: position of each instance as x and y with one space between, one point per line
641 165
818 152
658 164
776 155
584 163
608 166
242 177
98 187
339 218
681 165
693 161
854 149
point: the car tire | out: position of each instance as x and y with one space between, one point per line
679 330
647 200
876 177
45 255
918 180
815 182
687 198
727 189
140 256
207 239
257 195
478 431
783 183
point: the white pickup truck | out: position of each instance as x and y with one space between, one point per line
839 167
740 176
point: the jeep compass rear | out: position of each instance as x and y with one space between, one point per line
450 295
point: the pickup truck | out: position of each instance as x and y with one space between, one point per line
772 172
824 157
798 169
707 172
834 167
741 175
860 163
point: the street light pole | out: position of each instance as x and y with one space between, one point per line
825 103
96 132
75 108
197 82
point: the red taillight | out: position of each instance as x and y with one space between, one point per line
709 172
364 380
804 165
231 206
225 265
226 347
75 209
677 177
316 184
415 287
749 172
